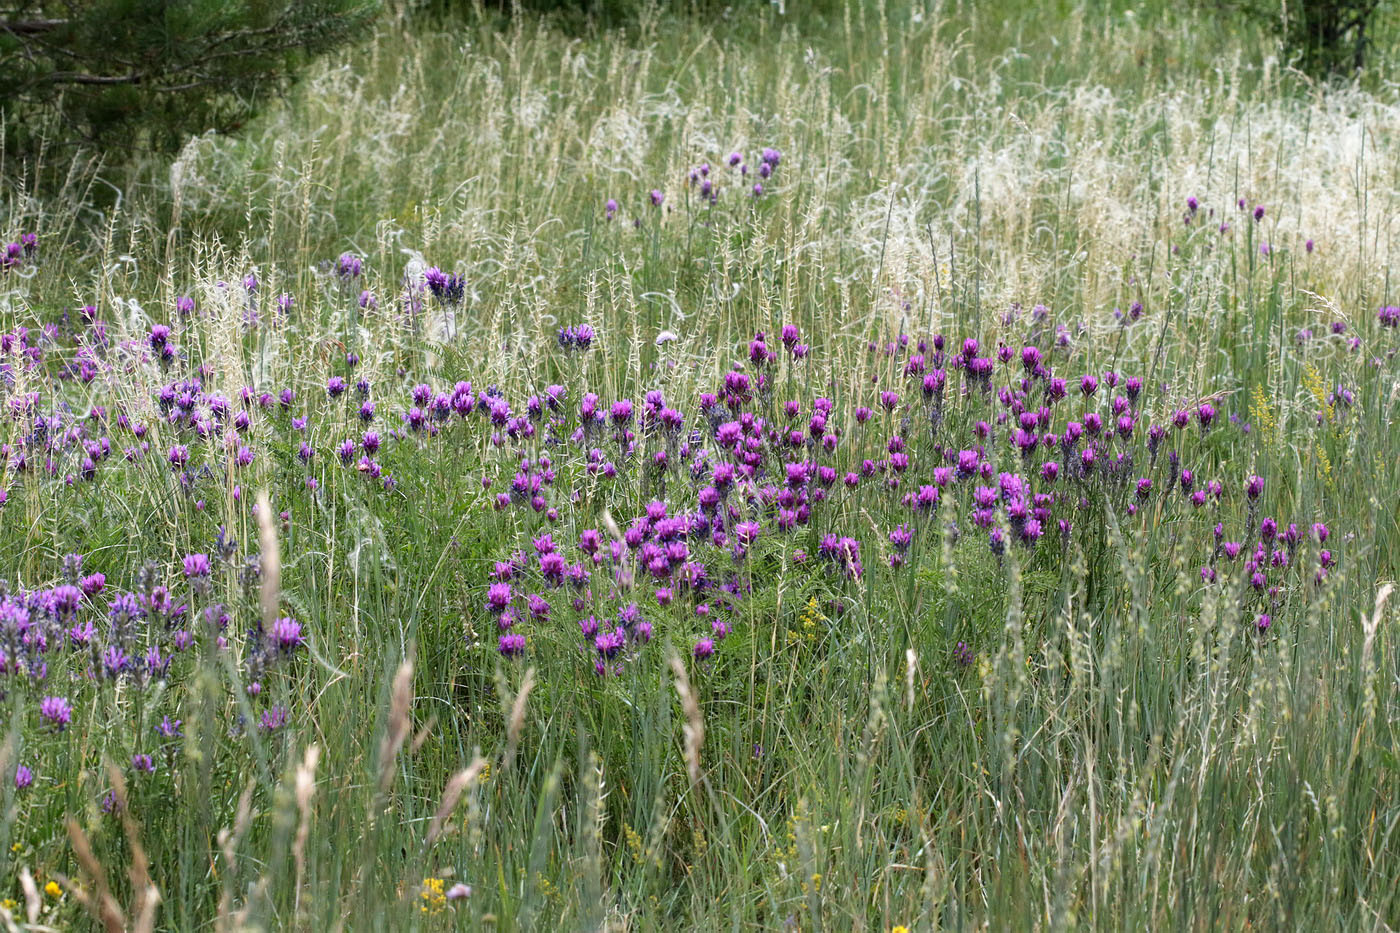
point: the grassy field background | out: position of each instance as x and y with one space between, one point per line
1084 729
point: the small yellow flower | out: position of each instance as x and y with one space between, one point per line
9 903
53 890
899 929
1263 413
434 898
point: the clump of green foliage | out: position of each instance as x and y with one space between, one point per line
146 73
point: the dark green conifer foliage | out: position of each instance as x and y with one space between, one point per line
144 74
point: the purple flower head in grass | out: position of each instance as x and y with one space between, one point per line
1253 487
498 596
56 711
115 661
610 208
286 635
746 532
512 645
349 266
609 644
901 538
274 718
169 728
657 197
447 288
704 649
577 337
1389 316
24 777
143 763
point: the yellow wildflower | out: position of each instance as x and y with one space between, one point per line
433 895
1262 413
53 890
1324 464
1312 381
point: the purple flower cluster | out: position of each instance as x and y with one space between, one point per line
998 443
576 337
706 182
447 288
24 250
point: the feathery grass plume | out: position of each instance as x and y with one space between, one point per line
450 795
911 673
305 790
694 728
592 857
1369 626
399 723
515 720
145 896
33 903
100 903
227 920
270 561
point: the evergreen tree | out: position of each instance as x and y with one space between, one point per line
126 74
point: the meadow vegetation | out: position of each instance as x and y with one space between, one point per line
891 464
